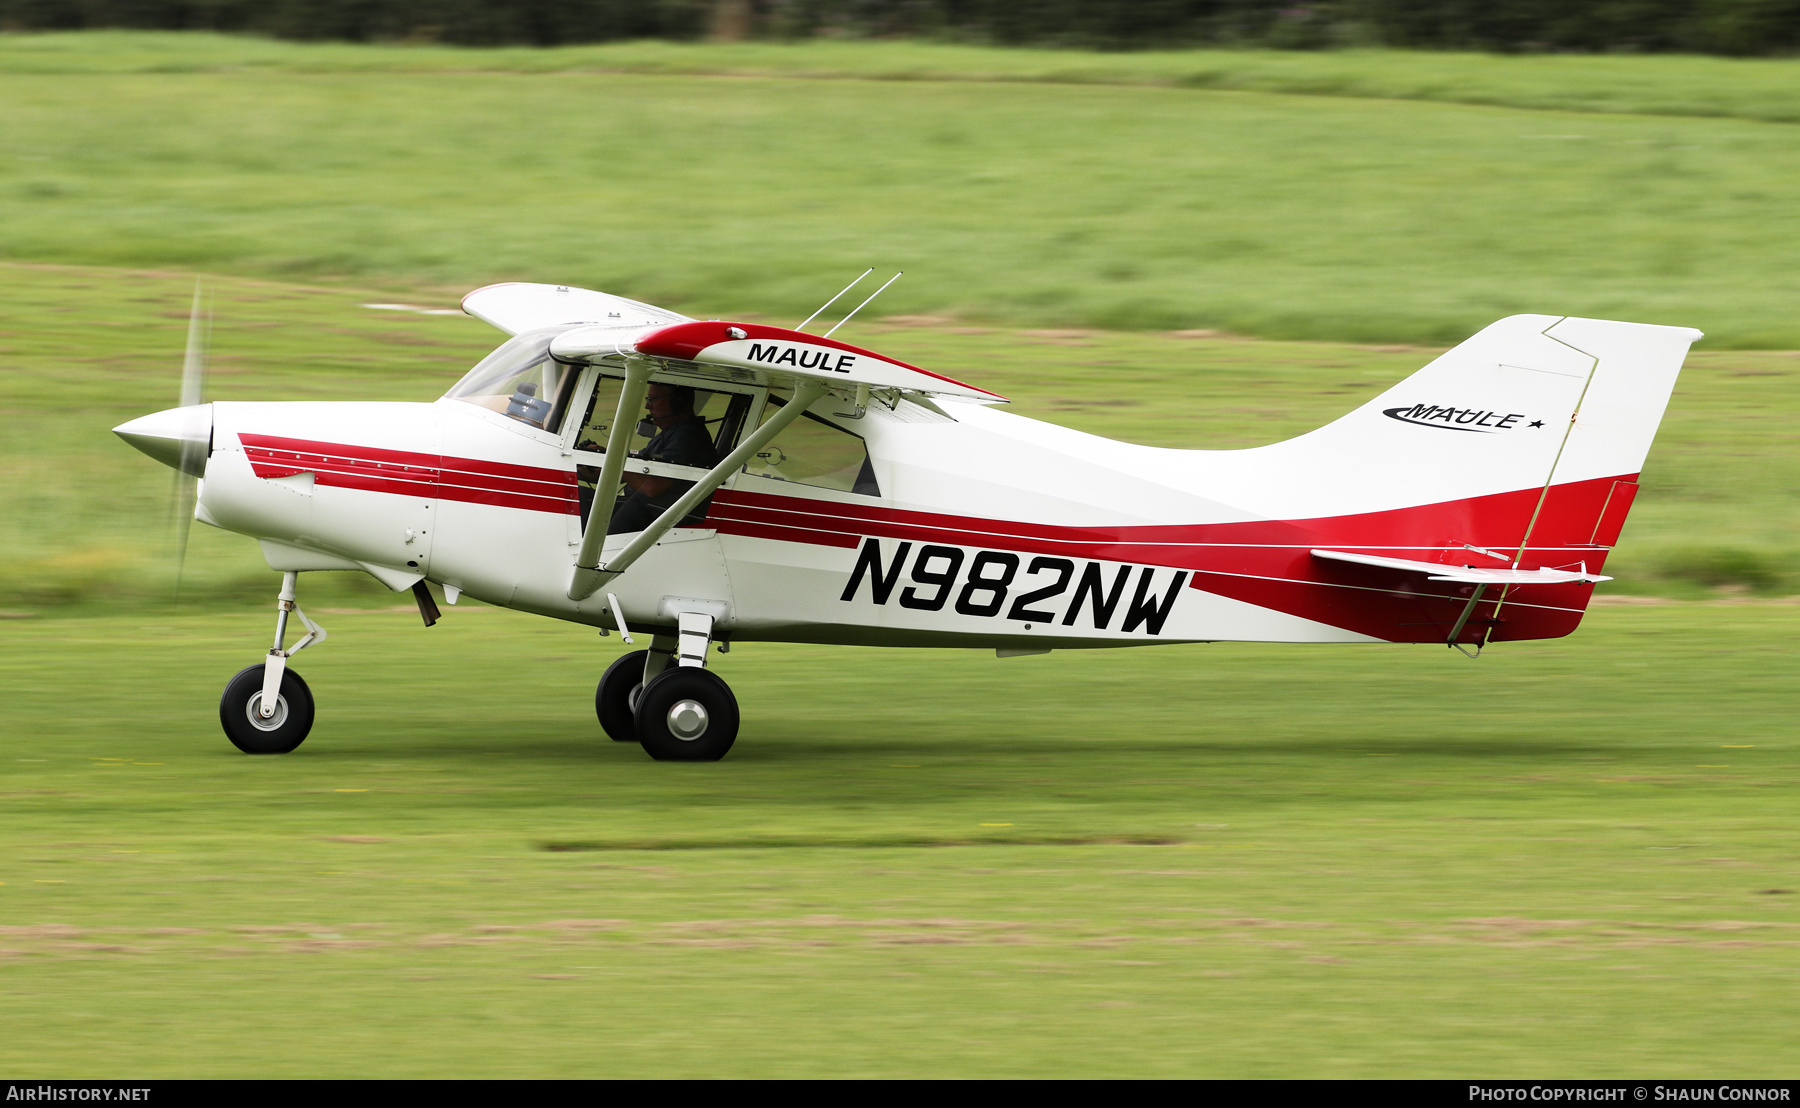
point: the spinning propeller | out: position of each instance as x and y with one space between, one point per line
181 437
193 450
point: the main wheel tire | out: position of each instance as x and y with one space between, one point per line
614 697
687 714
282 732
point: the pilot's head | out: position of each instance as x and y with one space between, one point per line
669 404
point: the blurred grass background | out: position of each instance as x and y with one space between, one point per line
1677 85
1300 217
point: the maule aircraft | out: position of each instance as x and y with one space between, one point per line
708 482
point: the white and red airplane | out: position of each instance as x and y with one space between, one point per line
814 491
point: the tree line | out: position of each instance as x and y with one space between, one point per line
1737 27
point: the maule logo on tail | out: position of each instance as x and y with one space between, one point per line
1453 418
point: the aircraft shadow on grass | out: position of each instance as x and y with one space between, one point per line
812 744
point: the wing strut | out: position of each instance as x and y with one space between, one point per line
1463 620
631 398
589 574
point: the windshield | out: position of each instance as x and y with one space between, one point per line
521 381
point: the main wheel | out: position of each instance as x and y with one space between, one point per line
618 689
687 714
281 732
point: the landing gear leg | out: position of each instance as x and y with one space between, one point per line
660 655
686 713
267 708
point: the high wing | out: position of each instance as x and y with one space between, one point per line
600 325
517 306
747 351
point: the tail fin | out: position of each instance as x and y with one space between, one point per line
1529 402
1519 449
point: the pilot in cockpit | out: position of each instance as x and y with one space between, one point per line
681 439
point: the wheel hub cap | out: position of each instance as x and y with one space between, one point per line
254 711
687 720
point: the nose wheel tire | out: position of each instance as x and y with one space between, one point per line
241 716
687 714
616 695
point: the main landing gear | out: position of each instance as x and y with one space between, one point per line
681 712
267 708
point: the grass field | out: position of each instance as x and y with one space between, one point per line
1742 88
1570 858
1039 203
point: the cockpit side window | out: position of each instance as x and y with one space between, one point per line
721 412
694 444
521 381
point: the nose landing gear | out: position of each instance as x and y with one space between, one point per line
267 708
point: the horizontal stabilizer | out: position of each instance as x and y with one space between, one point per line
1468 575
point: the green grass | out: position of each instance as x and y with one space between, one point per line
84 349
1762 89
1041 204
1569 858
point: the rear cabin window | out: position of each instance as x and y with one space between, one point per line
814 452
521 381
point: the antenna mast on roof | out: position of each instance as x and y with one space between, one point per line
865 303
836 298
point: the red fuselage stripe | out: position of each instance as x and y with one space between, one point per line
410 473
1269 563
1263 562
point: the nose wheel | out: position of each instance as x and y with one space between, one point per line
267 708
253 730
